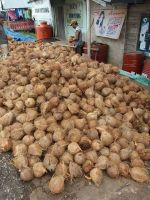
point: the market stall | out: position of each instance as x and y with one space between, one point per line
20 19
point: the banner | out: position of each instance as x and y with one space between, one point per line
108 23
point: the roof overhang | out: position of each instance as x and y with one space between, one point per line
31 1
127 1
104 2
53 2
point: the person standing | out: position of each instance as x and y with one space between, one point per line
3 39
78 37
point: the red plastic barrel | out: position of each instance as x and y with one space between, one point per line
133 62
44 31
146 69
100 53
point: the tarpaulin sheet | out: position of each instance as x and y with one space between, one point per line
19 36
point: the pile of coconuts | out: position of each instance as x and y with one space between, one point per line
72 117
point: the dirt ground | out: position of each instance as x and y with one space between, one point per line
11 188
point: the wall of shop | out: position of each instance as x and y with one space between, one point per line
41 11
133 24
1 7
116 46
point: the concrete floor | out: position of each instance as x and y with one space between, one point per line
11 188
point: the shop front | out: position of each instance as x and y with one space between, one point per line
118 26
108 27
138 33
20 19
124 25
18 14
63 12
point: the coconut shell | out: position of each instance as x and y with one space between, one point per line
139 174
96 176
39 169
124 169
145 154
56 184
87 166
5 144
75 170
26 174
113 171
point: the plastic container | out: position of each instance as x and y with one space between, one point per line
139 78
100 53
44 31
143 80
133 62
146 70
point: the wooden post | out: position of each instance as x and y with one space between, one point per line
88 28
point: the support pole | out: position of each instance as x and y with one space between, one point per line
88 28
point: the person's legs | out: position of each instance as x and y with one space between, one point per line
1 52
76 50
79 50
4 50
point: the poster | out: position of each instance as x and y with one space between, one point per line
144 34
108 23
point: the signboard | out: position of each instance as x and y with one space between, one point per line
41 11
144 35
74 10
108 23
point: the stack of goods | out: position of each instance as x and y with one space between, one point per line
67 115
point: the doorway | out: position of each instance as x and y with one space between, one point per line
58 18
